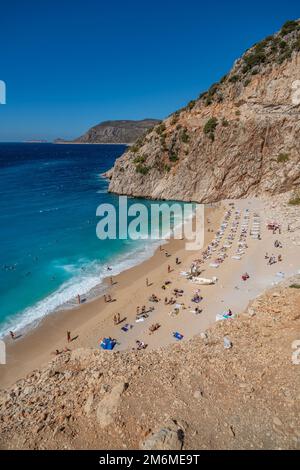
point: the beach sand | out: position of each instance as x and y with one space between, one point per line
90 322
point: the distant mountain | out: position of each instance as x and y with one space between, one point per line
117 132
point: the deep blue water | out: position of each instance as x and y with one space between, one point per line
49 250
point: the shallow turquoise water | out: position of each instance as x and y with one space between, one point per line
49 250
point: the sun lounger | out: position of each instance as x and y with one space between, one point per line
214 265
236 257
204 281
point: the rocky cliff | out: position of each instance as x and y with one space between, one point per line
114 132
240 138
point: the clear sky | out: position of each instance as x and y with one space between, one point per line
71 64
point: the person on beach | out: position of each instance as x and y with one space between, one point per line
147 282
69 336
111 281
169 268
78 298
12 334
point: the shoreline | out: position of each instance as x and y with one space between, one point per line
90 322
35 346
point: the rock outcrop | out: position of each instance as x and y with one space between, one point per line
240 138
117 132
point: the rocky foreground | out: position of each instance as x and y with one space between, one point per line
193 395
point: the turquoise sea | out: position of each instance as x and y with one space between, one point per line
49 194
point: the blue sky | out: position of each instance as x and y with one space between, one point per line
71 64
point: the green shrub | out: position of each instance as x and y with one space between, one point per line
175 118
295 199
225 123
134 149
184 136
173 157
160 129
255 58
234 78
283 44
210 125
208 101
296 45
167 167
223 79
295 286
139 159
289 27
282 157
213 89
142 169
202 95
191 104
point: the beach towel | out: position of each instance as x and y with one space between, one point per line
126 327
177 335
107 343
223 316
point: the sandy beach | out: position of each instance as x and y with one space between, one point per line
90 322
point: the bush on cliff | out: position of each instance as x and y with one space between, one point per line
142 169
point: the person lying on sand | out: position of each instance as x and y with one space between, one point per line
153 328
153 298
197 298
140 345
117 319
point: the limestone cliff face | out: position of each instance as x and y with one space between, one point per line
240 138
